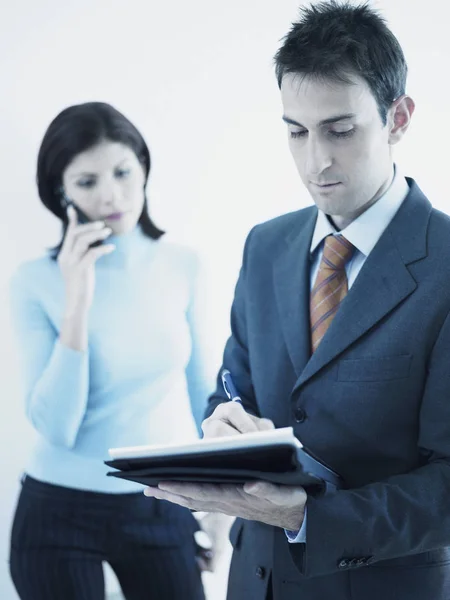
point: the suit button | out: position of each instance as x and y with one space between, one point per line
299 415
260 572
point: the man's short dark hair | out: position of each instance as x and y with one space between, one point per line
334 40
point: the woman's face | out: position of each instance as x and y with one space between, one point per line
107 183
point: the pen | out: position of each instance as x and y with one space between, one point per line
229 387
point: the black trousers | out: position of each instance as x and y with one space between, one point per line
60 537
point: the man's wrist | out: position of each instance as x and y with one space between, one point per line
297 536
294 524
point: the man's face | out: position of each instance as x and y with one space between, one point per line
340 146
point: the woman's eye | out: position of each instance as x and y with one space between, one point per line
86 183
121 173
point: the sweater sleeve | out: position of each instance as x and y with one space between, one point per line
200 372
55 378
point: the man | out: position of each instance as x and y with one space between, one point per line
341 329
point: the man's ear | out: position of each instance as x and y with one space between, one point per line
399 117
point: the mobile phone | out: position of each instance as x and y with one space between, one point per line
81 216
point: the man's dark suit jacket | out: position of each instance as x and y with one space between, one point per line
373 402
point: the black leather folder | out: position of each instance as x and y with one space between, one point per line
275 456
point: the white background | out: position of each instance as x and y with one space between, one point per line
196 77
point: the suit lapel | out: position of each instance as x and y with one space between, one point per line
292 290
379 288
382 284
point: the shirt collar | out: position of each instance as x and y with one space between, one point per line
365 231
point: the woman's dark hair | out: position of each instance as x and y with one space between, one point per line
334 40
76 129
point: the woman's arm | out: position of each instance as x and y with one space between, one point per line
55 376
200 371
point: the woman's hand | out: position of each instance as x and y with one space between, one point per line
77 261
216 526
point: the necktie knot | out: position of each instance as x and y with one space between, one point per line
337 252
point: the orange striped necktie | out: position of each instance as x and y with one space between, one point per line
330 287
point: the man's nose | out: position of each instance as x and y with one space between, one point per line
318 156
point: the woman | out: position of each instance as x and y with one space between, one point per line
108 327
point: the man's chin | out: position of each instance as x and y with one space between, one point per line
327 206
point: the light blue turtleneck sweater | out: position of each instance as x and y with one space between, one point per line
144 375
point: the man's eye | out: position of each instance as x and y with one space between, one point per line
341 134
298 134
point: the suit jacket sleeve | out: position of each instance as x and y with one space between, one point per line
405 514
236 356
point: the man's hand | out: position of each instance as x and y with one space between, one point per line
281 506
230 418
278 505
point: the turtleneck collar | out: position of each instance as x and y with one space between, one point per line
129 249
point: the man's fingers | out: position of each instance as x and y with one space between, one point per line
281 495
232 415
217 428
264 424
260 488
230 418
